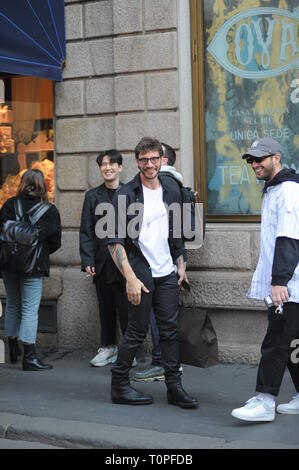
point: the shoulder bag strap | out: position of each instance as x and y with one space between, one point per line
18 209
37 211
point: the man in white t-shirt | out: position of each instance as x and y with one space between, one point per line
148 258
276 277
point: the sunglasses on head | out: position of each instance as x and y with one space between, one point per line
250 160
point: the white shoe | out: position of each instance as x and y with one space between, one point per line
256 409
105 356
291 408
135 363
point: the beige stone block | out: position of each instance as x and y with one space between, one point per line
160 14
95 177
256 242
99 19
77 309
71 172
100 96
69 98
52 285
130 168
148 52
239 353
129 93
162 90
237 326
73 22
68 254
127 16
70 208
220 289
84 135
222 250
87 59
130 128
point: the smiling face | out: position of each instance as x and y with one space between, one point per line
149 164
266 168
109 170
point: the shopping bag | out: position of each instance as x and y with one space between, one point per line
197 338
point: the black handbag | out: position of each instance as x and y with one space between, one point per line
197 338
20 246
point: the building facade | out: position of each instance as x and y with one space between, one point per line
142 67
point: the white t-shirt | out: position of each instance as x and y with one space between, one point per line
280 218
153 237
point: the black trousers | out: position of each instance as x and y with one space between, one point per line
164 297
277 351
113 300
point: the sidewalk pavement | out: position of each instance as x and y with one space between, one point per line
70 407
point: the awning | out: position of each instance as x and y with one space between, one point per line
32 37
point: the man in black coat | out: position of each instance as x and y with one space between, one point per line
96 260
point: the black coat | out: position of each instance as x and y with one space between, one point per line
133 193
50 230
93 250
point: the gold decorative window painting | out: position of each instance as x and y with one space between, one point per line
249 83
26 132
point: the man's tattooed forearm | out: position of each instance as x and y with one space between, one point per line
112 249
180 261
120 258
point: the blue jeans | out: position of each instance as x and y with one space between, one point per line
23 296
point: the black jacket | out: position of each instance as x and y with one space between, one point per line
286 254
132 193
93 250
50 230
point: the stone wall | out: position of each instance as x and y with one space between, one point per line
121 83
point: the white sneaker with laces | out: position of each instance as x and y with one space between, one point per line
105 356
135 363
291 408
256 409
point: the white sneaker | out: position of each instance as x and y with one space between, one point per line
105 356
135 363
291 408
256 409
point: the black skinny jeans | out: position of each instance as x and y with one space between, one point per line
164 297
113 300
276 350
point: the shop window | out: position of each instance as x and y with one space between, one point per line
26 132
244 88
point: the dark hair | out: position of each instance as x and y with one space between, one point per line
33 184
114 155
169 153
148 144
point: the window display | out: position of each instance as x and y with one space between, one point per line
250 68
26 132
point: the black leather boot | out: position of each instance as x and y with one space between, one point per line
176 395
125 394
31 361
14 350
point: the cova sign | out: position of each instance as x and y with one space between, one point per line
250 36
